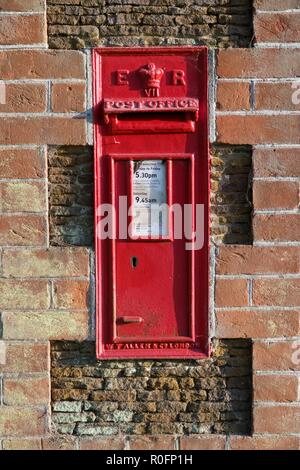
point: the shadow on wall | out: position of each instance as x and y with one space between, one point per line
71 195
231 194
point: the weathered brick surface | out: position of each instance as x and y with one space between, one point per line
152 443
93 398
212 22
71 294
42 130
68 97
276 4
258 129
276 162
43 64
264 443
25 357
21 5
275 388
283 292
202 443
23 197
18 230
24 98
233 96
276 419
279 27
21 444
257 323
258 63
231 292
58 443
258 260
22 163
24 294
25 30
276 96
26 391
276 227
281 355
45 325
22 421
107 443
275 195
55 262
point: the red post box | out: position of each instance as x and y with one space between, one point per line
151 202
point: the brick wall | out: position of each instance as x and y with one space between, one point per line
46 291
76 24
94 398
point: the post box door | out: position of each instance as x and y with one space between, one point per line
151 168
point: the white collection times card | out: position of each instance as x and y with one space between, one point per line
149 193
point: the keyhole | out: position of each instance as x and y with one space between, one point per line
134 261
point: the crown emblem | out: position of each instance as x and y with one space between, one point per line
152 76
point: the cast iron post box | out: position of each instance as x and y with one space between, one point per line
151 202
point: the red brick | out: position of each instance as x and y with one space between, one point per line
26 391
23 196
23 230
237 259
35 64
43 130
152 443
282 292
257 323
277 27
59 443
276 227
276 162
26 357
24 294
105 443
275 96
231 292
22 421
54 262
258 129
68 97
71 294
276 419
24 98
264 443
275 195
19 29
258 63
22 163
233 96
281 355
276 4
276 388
22 444
45 325
202 443
21 5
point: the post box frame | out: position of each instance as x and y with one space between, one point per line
158 347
